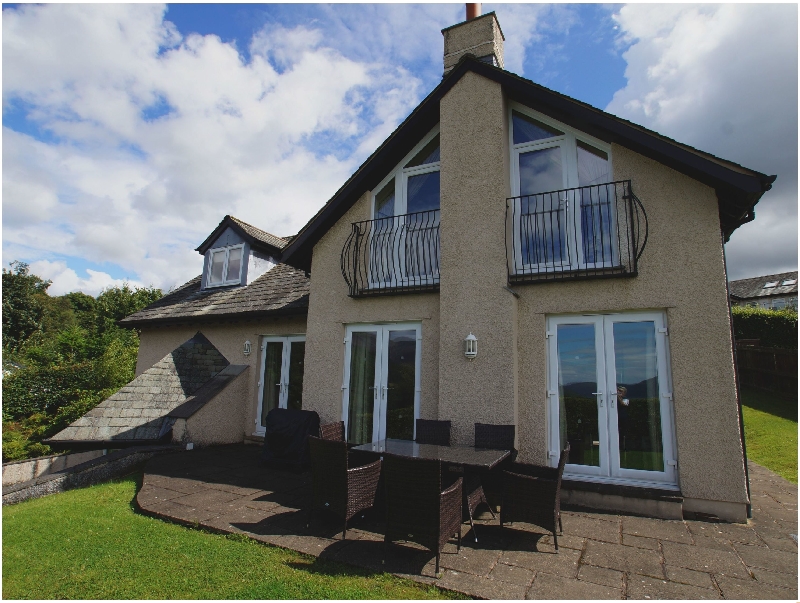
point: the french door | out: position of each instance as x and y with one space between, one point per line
609 397
381 386
281 381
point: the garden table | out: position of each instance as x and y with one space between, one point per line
465 456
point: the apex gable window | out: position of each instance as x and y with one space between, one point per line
225 266
564 197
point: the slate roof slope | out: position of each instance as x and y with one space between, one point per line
282 290
255 236
146 409
748 288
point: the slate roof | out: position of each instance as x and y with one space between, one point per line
738 188
751 288
146 409
282 290
255 236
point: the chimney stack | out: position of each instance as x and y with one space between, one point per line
480 36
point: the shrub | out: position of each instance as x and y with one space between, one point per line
774 328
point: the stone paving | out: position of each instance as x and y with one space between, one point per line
601 555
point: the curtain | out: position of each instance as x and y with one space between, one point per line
272 378
362 379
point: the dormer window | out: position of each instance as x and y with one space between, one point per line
770 285
225 266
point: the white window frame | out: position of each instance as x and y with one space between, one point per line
225 280
381 373
283 396
609 470
568 144
401 175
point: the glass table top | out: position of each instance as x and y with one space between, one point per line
459 455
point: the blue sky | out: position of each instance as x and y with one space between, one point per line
131 130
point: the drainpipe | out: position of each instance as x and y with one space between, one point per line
738 389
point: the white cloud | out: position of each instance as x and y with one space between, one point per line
65 280
723 78
106 184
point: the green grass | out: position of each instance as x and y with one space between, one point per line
770 430
91 544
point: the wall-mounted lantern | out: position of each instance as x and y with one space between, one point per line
471 346
247 348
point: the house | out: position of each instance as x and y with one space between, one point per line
772 291
579 253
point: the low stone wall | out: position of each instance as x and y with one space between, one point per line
94 471
15 472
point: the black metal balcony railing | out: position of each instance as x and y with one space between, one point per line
398 254
587 232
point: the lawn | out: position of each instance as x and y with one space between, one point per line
91 544
770 430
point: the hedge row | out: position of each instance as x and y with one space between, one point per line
774 328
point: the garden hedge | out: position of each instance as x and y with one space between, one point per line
774 328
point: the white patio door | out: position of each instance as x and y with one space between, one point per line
609 392
280 383
381 386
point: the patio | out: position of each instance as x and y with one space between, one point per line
601 555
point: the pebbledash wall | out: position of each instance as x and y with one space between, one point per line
681 273
231 415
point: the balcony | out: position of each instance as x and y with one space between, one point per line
397 254
597 231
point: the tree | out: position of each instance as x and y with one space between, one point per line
23 305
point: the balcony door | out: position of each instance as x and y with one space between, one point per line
381 386
280 383
563 198
609 397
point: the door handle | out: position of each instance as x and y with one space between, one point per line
601 398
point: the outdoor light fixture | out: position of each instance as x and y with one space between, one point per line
471 346
247 348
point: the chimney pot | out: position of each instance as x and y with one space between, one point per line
473 10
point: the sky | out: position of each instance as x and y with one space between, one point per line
131 130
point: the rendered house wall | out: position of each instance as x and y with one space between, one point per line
330 310
156 342
220 420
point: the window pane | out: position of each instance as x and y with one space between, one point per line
592 165
527 129
429 154
384 201
362 387
297 355
423 192
540 171
638 404
272 378
217 264
400 383
234 265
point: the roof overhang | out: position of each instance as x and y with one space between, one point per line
738 188
212 318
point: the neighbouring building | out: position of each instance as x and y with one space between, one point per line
773 291
584 252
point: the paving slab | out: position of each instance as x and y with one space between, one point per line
640 543
725 531
564 563
661 529
602 576
734 588
683 575
592 527
513 574
646 587
624 559
472 561
548 586
777 561
207 499
774 578
484 588
713 561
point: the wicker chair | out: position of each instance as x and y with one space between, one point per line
533 494
332 431
342 490
433 432
417 509
496 437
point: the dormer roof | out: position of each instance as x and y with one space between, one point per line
257 238
738 188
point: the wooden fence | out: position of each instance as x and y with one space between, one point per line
771 369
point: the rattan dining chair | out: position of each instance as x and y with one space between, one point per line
417 509
496 437
532 494
332 431
433 432
337 488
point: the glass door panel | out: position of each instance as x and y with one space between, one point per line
294 389
637 403
362 387
271 381
401 384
